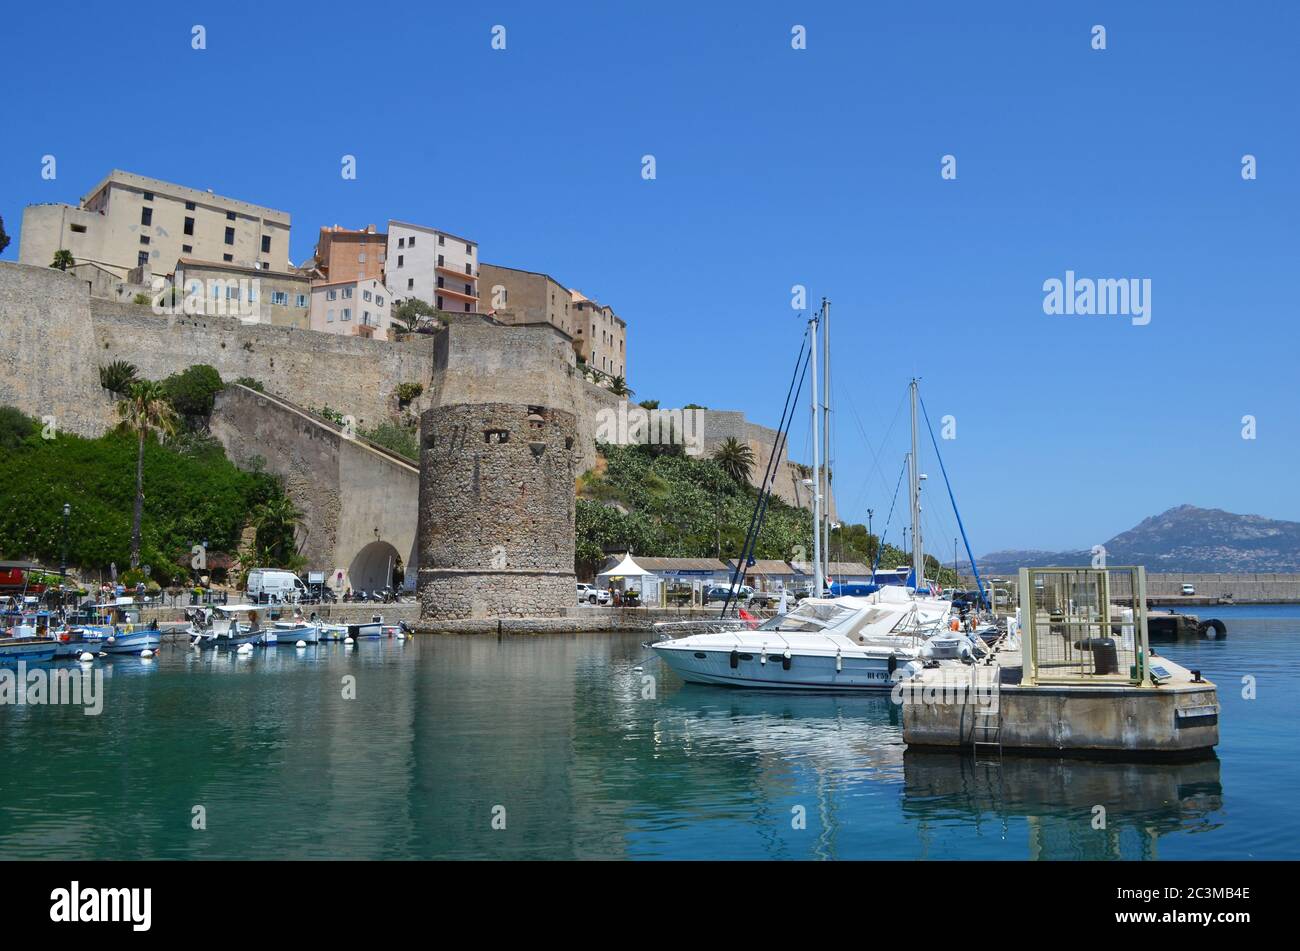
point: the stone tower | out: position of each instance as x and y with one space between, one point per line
496 530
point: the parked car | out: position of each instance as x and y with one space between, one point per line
720 592
1189 590
590 594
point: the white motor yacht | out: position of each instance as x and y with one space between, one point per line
843 643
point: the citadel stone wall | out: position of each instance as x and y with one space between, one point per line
496 529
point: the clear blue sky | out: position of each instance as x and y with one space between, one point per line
778 167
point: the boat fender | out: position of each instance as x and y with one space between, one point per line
245 649
146 653
86 657
893 663
301 644
735 659
785 660
839 661
1212 628
762 658
347 640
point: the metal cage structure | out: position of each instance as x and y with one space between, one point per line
1084 625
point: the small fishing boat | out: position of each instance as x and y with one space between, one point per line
333 632
291 632
372 628
123 641
222 627
28 649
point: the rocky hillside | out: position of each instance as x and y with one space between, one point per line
1185 538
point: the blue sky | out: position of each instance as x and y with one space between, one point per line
775 167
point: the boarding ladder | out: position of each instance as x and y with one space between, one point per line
986 725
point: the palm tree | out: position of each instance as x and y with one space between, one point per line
736 459
275 521
618 386
62 259
142 410
117 377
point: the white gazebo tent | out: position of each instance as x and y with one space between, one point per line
625 569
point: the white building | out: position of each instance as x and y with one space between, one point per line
352 308
440 269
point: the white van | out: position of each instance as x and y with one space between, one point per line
274 584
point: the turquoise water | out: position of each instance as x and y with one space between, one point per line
554 736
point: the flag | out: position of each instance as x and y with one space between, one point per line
749 619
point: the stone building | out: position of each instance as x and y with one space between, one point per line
131 221
343 254
353 308
496 530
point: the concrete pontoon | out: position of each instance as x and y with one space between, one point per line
1083 682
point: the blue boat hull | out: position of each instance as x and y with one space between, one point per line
35 650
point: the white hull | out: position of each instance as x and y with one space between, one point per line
807 672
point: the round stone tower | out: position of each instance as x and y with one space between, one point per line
496 530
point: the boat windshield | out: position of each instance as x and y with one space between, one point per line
808 616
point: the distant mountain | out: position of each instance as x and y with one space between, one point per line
1185 538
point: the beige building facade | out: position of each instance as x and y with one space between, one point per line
515 296
600 336
255 296
130 221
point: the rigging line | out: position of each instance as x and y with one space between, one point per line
953 499
876 453
880 542
787 414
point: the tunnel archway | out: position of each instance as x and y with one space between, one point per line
372 568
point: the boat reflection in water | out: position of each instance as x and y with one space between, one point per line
867 795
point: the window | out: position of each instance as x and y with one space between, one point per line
142 259
144 239
469 289
366 295
410 283
78 229
365 317
148 196
301 300
280 297
227 257
401 259
189 206
410 242
146 216
441 242
332 294
189 225
361 258
329 316
401 242
232 293
467 308
347 313
265 266
252 292
438 305
441 262
230 236
187 248
379 300
230 216
469 248
266 244
468 269
347 293
440 280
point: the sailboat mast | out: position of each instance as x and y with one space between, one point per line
826 438
914 469
817 475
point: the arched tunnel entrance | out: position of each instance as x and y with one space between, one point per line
373 567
